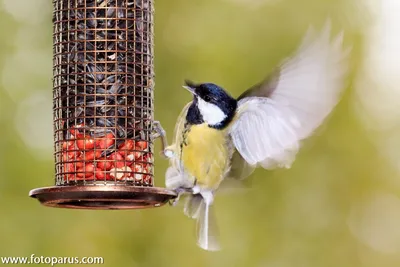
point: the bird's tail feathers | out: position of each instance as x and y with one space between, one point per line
196 207
207 230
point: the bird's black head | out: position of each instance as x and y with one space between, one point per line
215 106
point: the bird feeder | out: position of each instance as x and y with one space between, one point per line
103 81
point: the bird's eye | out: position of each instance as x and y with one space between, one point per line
207 98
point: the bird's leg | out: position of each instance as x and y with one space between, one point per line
180 191
160 132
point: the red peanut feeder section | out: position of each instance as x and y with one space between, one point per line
100 159
103 81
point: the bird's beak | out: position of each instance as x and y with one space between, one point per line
190 89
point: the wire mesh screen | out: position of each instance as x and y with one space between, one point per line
103 91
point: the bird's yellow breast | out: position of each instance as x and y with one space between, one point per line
206 154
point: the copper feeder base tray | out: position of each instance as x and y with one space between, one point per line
102 197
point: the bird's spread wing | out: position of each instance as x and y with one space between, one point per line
275 116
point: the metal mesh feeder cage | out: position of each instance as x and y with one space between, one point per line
103 106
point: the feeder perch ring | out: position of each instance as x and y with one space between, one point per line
103 106
102 197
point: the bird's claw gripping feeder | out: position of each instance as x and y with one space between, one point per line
103 106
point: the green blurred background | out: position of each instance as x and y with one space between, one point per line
337 206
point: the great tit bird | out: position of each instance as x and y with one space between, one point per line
218 136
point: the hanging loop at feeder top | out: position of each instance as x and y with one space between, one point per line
103 104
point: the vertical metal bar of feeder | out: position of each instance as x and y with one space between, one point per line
150 93
103 91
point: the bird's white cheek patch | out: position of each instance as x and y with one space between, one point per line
211 113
